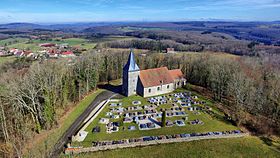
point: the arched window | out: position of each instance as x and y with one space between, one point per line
167 86
150 90
158 88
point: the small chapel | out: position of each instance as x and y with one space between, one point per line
150 82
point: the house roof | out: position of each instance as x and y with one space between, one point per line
155 77
27 53
176 74
67 53
47 45
131 64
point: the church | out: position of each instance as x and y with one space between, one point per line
150 82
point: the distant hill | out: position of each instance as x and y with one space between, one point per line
20 26
262 32
66 26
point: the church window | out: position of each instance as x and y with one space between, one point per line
150 90
158 88
167 86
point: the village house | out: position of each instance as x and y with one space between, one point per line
170 50
17 52
67 54
150 82
47 45
28 54
3 52
64 46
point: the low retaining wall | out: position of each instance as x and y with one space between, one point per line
147 143
94 114
115 100
89 119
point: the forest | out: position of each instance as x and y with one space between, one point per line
196 41
33 94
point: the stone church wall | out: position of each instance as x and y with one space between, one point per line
158 90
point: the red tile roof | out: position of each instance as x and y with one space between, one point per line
176 74
67 53
155 77
47 45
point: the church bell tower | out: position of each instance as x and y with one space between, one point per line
131 74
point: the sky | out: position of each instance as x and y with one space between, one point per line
64 11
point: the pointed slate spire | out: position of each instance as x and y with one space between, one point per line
131 64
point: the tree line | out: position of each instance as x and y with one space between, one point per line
34 94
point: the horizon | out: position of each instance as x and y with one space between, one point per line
71 11
129 22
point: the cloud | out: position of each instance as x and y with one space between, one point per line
210 5
248 3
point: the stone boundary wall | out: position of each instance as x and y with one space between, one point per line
147 143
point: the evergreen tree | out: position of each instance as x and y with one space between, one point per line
163 119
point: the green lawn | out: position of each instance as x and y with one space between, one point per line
247 147
211 123
53 136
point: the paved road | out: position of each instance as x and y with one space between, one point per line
59 146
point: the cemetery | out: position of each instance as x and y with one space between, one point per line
135 116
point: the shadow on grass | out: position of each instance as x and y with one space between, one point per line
155 121
221 117
267 141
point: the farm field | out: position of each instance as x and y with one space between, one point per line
211 123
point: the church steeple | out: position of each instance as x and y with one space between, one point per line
131 74
131 64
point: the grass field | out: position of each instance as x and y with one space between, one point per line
47 139
33 45
210 124
4 60
111 38
247 147
130 29
10 41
